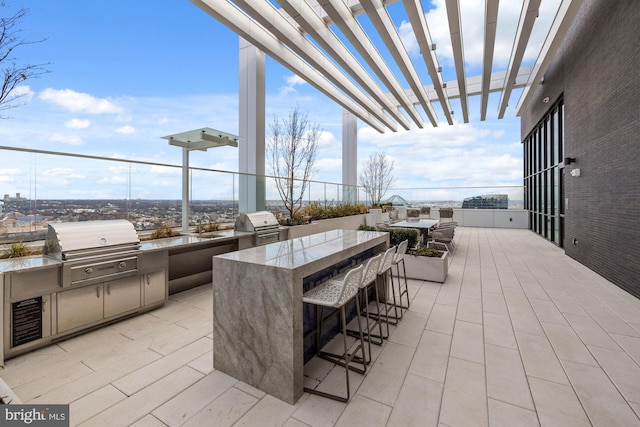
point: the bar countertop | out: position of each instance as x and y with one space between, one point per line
299 252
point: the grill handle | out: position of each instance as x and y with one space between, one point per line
98 292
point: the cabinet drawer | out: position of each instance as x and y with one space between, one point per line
79 307
34 282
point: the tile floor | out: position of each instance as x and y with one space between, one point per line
518 335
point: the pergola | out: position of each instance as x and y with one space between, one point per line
308 37
200 139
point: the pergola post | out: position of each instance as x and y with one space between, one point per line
349 157
251 166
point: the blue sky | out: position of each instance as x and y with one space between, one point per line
125 73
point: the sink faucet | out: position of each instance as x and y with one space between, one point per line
200 223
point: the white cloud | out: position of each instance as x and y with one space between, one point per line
64 173
126 130
65 139
112 180
165 170
77 124
80 102
23 91
163 121
408 38
292 80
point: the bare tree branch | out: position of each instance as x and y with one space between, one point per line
12 73
292 151
376 177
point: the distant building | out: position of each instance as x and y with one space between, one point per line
8 198
491 201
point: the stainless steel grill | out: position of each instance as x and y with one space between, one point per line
263 223
93 251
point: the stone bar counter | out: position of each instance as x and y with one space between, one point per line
258 309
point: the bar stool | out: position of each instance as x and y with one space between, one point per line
383 270
368 280
397 259
336 294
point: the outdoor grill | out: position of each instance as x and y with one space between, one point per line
263 223
93 251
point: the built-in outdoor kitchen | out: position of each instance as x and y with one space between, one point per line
96 272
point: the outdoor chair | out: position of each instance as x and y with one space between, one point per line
369 281
336 294
446 213
397 259
443 235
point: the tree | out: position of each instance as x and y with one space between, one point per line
376 177
13 73
292 151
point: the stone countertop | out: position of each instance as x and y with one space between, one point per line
192 240
34 262
299 252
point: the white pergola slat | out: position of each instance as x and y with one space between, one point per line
381 20
530 10
490 25
455 29
308 37
352 29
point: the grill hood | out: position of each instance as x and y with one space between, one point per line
256 221
70 240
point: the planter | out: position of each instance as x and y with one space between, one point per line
427 268
351 222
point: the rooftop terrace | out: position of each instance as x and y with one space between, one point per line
519 334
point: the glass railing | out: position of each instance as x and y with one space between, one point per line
40 187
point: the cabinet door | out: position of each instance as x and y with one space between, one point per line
155 286
121 295
79 307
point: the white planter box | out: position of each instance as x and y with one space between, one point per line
351 222
427 268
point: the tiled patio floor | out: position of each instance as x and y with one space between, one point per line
518 335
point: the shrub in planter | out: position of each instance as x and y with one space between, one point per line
427 264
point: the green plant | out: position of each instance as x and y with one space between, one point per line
164 231
397 235
366 228
17 249
207 228
425 251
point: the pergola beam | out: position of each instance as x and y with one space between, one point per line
490 24
227 13
528 17
455 29
275 23
309 21
421 31
352 29
381 20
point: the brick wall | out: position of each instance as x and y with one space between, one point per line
597 70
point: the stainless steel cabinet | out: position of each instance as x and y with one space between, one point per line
121 296
154 286
79 307
90 304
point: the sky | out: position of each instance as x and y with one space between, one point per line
123 74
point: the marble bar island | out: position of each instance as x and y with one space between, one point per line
258 309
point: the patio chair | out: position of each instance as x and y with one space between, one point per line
336 294
425 211
443 235
446 213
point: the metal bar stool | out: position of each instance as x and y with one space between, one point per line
397 259
368 280
336 294
384 270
